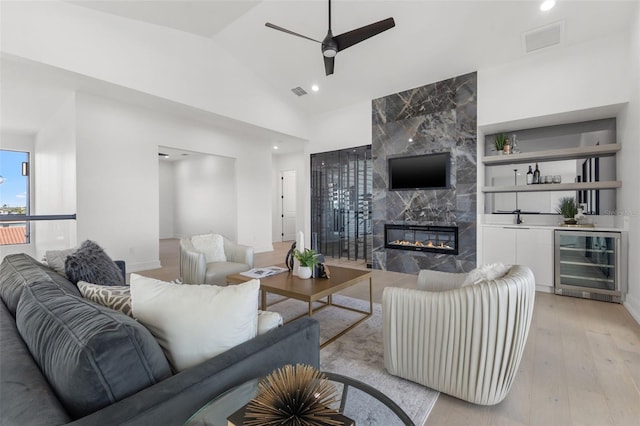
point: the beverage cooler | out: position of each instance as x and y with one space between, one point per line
590 264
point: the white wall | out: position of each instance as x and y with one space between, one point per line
342 128
55 179
130 54
555 81
282 163
18 142
205 196
117 180
118 177
166 199
628 171
591 75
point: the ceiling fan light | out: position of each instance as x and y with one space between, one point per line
547 5
329 52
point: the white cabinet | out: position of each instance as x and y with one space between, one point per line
499 245
532 247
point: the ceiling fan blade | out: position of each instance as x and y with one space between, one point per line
352 37
328 65
284 30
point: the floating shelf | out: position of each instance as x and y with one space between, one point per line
574 186
553 155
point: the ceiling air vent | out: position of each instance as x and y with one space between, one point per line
299 91
546 36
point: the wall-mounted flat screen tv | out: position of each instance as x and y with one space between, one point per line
430 171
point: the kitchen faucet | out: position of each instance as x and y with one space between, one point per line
517 211
518 218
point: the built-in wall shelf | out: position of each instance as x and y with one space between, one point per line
573 186
553 155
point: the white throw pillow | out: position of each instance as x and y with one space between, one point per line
485 273
212 245
268 320
193 323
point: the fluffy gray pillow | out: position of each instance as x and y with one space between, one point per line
90 263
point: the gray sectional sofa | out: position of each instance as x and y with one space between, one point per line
66 360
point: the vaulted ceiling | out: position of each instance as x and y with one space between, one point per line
432 40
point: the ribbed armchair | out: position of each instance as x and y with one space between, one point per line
194 268
464 341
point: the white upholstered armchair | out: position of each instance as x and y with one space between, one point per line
464 341
199 266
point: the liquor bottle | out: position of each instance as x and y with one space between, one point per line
529 176
536 175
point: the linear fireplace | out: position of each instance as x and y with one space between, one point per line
435 239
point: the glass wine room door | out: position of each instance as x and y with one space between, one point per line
588 264
341 203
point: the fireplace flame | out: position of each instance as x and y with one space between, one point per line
421 244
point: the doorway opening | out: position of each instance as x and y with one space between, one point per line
288 211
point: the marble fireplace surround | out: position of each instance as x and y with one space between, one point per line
434 118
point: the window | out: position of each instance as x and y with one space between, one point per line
14 196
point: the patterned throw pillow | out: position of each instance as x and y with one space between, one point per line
90 263
116 297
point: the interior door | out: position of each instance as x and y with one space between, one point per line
288 209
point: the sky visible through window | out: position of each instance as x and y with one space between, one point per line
13 186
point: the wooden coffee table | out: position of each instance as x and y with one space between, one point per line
313 290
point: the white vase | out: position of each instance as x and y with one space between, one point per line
304 272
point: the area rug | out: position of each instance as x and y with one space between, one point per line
359 354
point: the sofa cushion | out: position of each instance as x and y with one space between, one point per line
117 297
212 245
195 322
92 356
90 263
27 398
20 270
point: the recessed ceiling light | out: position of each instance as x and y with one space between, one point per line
275 147
315 88
410 140
547 5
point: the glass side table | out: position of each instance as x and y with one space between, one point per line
358 401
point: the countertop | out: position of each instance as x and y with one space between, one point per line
600 223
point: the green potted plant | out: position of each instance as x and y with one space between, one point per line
308 259
568 209
500 142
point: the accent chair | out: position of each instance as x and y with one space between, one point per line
466 341
197 266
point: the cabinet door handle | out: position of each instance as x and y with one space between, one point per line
514 227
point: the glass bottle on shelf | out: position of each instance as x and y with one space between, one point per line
536 175
514 144
529 176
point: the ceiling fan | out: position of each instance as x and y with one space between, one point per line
331 44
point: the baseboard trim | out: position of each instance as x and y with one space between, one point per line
632 304
143 266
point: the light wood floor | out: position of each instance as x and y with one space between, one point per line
581 364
